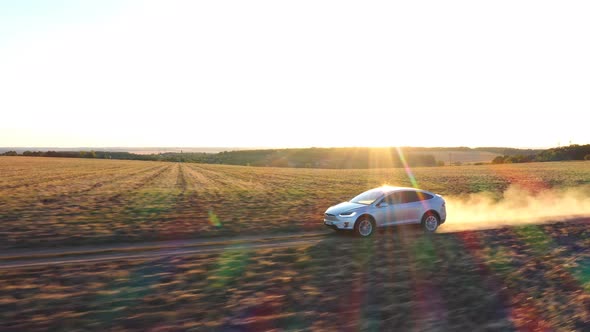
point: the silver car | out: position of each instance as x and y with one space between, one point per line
385 206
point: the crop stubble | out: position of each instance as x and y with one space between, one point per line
526 278
52 201
522 278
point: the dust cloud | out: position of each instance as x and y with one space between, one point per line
516 206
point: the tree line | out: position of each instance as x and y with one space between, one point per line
570 152
309 157
337 158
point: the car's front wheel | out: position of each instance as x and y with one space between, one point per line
430 222
364 226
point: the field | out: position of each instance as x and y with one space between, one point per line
531 278
53 202
520 274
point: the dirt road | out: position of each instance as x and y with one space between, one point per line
112 252
84 254
531 277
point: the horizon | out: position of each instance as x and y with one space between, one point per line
227 148
307 74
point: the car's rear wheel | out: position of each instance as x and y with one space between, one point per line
364 226
430 222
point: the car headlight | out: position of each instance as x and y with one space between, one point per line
348 214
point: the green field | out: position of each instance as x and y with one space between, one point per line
53 202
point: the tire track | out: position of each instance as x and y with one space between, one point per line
180 205
181 179
114 179
150 250
60 178
56 198
19 258
141 183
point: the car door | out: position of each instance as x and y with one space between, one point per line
391 210
384 211
405 208
410 207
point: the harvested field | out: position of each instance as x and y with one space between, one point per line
520 278
54 202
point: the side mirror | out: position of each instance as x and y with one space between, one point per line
382 204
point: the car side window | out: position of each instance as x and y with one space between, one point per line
414 196
402 197
387 199
409 197
423 196
394 198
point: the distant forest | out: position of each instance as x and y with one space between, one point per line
570 152
338 158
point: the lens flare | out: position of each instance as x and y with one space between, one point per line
407 168
214 219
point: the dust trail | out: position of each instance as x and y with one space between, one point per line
516 206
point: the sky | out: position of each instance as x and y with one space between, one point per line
294 73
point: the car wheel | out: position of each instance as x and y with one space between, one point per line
364 227
430 222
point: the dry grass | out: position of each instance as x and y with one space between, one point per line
522 278
534 277
52 201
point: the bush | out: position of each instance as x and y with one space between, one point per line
498 160
9 153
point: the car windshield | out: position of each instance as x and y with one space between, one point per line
368 197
